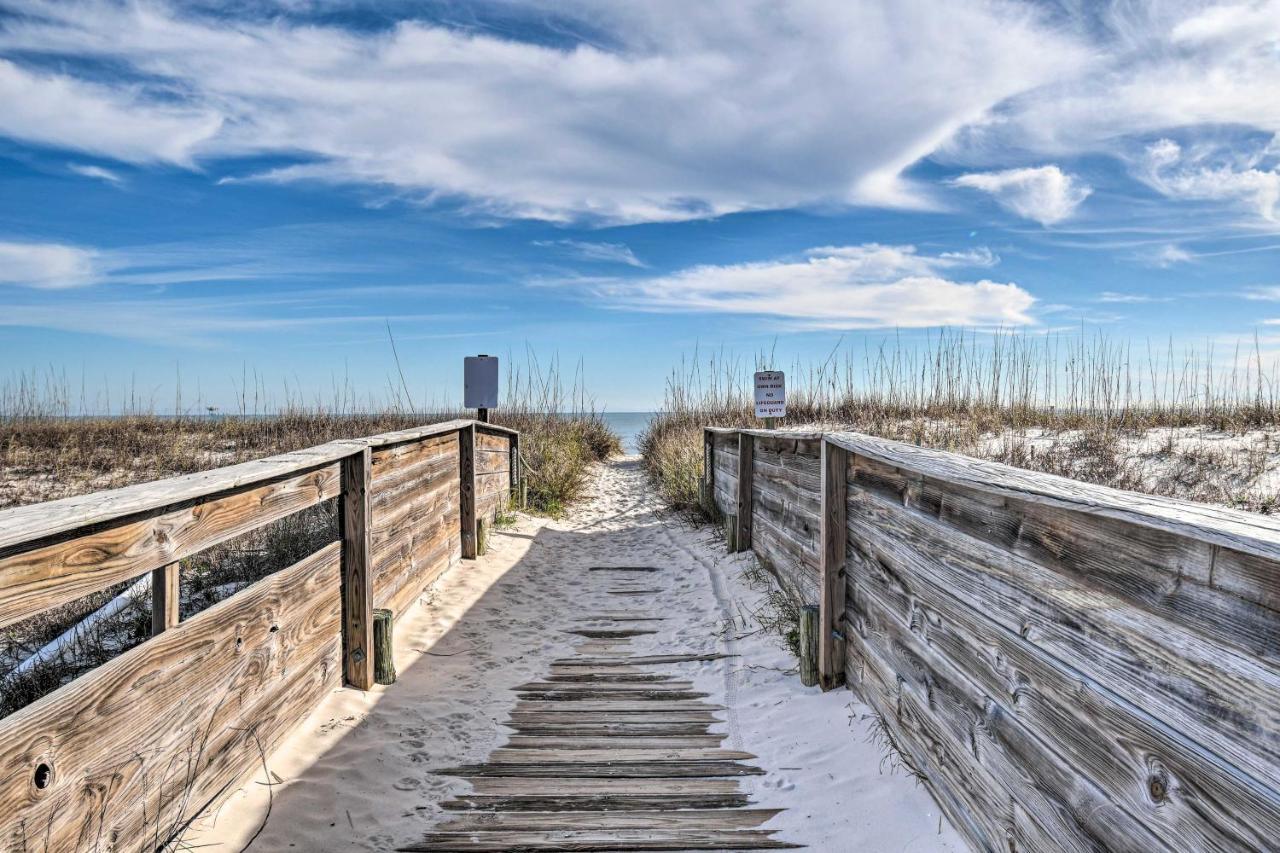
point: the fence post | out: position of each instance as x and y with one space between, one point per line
467 491
746 453
834 534
513 490
357 573
709 473
164 598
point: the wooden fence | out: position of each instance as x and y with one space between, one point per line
1066 666
125 756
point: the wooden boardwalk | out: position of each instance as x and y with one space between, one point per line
610 753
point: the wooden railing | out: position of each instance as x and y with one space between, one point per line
1066 666
125 756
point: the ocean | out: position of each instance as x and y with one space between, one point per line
628 426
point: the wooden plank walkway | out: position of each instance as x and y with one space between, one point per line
611 754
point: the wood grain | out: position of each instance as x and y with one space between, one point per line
357 570
147 739
746 444
834 536
37 579
467 492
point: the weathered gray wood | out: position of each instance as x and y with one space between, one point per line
577 739
639 660
746 445
165 597
1242 531
139 744
357 573
809 621
686 838
609 633
538 799
51 573
467 492
615 755
834 537
609 770
601 693
384 665
685 819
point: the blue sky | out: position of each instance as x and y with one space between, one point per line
204 191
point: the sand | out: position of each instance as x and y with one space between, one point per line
357 773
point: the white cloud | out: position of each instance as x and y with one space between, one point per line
671 111
687 111
1215 174
96 172
614 253
46 265
1045 194
1169 255
113 121
835 287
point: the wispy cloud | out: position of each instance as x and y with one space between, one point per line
88 170
613 253
675 113
1131 298
833 287
1044 194
1246 178
47 265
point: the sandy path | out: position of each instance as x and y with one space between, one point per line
356 775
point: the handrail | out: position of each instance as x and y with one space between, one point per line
1232 528
25 525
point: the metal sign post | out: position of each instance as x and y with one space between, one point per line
480 384
771 396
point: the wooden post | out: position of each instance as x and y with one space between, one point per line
467 490
513 465
731 532
384 664
357 573
164 598
746 453
709 473
809 622
482 415
834 538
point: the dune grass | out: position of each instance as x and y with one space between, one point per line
1195 424
46 452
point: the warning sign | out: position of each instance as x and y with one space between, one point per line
771 394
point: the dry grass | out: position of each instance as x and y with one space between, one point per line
47 453
1175 424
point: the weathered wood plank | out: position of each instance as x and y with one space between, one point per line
1025 713
686 838
639 660
631 755
137 745
165 597
577 739
621 707
612 770
540 801
467 492
357 572
834 537
746 445
687 819
1207 693
27 526
35 580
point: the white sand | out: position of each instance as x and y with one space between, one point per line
357 773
